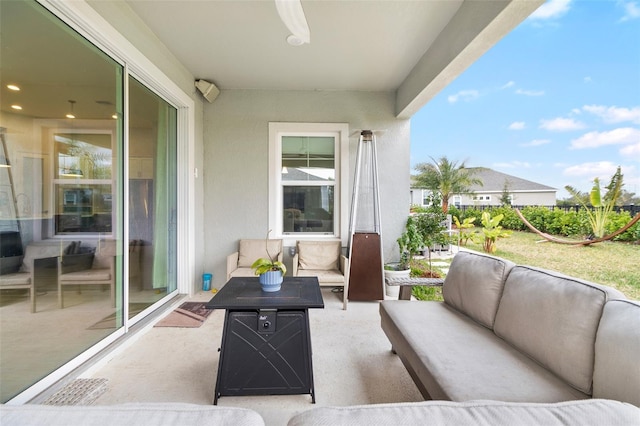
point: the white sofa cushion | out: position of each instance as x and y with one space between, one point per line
138 414
474 285
616 374
553 318
475 413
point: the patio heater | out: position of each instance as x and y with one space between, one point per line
365 243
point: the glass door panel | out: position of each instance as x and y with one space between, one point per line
152 198
61 195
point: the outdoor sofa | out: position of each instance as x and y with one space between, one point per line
509 345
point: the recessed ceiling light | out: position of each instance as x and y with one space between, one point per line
13 87
18 107
70 116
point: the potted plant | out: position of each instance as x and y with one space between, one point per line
271 271
410 243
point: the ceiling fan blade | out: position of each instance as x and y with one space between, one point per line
292 15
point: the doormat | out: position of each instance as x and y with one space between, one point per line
110 321
78 392
188 315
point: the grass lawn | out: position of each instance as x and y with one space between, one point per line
610 263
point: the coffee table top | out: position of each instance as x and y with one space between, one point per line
245 293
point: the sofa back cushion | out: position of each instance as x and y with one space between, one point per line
319 255
616 374
554 319
251 250
474 285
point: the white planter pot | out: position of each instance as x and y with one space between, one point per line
393 291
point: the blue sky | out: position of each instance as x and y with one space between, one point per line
556 101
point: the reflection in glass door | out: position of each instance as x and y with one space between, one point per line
152 198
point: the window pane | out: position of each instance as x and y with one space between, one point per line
308 209
82 171
308 158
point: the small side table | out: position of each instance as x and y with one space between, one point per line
266 343
406 284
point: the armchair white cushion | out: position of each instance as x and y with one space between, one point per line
239 263
322 259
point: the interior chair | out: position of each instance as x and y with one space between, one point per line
22 276
20 280
323 259
88 269
239 263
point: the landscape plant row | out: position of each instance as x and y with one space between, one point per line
555 222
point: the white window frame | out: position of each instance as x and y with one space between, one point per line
425 193
341 210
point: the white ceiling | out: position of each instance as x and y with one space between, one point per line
355 45
413 48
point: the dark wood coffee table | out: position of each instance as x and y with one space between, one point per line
266 344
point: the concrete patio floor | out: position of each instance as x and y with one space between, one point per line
352 363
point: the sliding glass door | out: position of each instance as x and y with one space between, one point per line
87 197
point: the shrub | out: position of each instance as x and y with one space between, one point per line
510 219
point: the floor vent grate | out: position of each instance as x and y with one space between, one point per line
78 392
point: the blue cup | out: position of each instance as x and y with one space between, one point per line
206 281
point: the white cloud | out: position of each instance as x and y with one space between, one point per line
561 124
530 92
536 142
508 85
593 169
632 150
614 114
584 174
631 11
620 136
551 10
517 125
464 95
587 79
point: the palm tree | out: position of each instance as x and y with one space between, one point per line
445 178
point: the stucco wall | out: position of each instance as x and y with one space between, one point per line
235 170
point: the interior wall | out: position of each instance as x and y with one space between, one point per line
235 171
